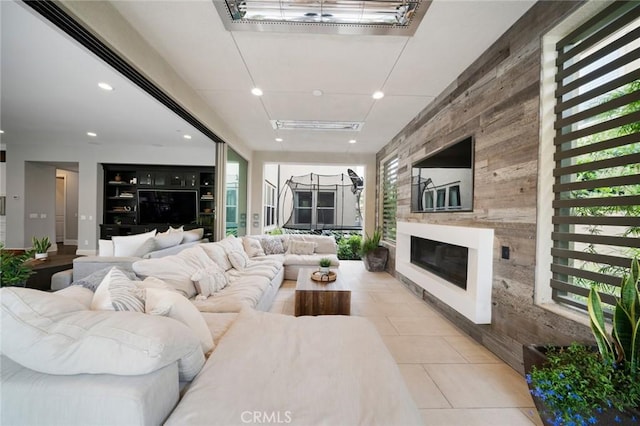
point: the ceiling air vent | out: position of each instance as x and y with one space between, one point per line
349 17
351 126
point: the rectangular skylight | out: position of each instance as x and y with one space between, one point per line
353 126
397 17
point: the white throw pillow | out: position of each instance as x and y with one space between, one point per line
117 292
252 247
301 247
192 235
172 230
176 270
209 280
231 243
173 305
216 252
105 248
238 259
129 245
53 334
166 240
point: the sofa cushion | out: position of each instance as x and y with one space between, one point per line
53 334
309 260
192 235
77 293
173 305
301 247
217 253
252 247
176 270
231 243
130 245
244 292
209 280
272 244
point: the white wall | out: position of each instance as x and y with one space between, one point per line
40 202
89 159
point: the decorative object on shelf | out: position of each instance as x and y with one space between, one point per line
324 263
117 220
373 254
118 178
207 210
324 278
587 385
14 271
40 247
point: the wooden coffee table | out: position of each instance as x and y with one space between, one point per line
317 298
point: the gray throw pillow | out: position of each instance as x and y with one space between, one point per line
93 280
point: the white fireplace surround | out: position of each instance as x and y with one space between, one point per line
474 302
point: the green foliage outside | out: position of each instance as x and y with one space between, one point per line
349 247
596 173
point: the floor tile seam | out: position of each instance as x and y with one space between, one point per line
444 395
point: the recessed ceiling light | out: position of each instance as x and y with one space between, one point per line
278 139
317 92
1 132
352 141
377 95
256 91
92 134
186 136
105 86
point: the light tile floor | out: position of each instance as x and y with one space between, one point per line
453 379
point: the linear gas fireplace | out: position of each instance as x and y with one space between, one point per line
451 263
448 261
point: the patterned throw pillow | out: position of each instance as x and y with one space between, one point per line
117 292
272 245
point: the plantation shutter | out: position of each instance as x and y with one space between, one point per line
389 198
596 218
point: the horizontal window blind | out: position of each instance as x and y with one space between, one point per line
389 198
596 203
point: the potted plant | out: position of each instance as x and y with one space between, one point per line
373 254
325 263
581 384
14 271
41 246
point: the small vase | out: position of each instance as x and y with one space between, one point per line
324 269
41 256
118 178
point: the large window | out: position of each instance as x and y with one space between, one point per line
314 207
269 204
596 207
389 198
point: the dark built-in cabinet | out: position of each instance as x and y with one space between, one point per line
139 198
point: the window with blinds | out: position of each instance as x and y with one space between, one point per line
389 198
596 216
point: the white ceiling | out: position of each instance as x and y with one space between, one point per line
52 88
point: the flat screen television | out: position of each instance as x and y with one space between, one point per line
167 206
443 180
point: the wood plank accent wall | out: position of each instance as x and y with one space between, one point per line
497 100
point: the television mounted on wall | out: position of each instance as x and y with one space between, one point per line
159 206
443 181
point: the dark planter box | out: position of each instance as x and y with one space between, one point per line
376 260
534 355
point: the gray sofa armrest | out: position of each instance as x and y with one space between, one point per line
86 265
173 250
62 279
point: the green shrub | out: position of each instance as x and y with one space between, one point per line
349 247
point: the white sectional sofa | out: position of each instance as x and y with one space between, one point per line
167 349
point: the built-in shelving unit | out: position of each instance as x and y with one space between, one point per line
140 197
